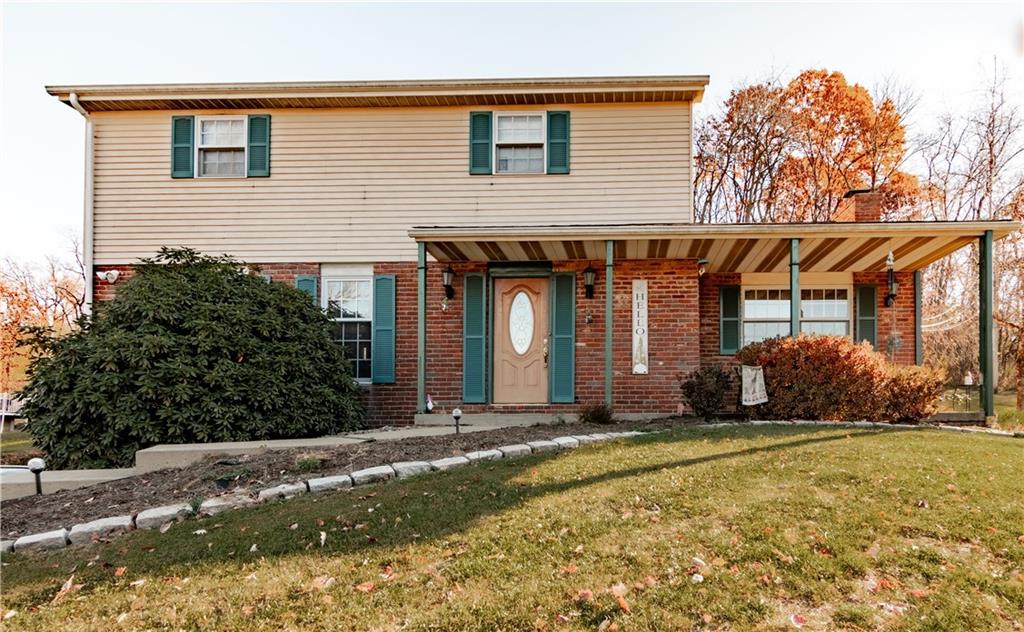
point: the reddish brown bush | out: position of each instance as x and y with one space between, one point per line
912 393
832 378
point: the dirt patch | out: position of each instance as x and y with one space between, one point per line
216 475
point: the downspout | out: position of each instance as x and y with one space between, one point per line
88 195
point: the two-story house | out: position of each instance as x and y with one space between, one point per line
512 245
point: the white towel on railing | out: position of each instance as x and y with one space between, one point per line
753 386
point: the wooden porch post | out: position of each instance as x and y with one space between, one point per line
609 262
421 327
986 351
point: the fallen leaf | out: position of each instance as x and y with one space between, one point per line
568 569
623 605
920 593
68 587
253 548
9 614
200 532
619 589
293 526
707 619
122 617
951 487
121 570
248 610
366 587
137 583
798 620
165 527
585 596
696 578
323 538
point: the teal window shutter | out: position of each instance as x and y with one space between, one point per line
182 139
867 314
729 319
558 142
259 146
474 339
479 143
383 358
307 283
562 371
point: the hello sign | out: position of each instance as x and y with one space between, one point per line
640 356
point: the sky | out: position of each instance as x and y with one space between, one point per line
944 52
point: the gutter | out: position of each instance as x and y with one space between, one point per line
87 236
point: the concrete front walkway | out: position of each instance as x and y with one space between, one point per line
18 483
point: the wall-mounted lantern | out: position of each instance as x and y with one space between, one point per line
893 286
447 278
589 275
702 267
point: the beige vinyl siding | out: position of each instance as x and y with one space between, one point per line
347 184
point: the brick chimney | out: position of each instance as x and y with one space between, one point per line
859 205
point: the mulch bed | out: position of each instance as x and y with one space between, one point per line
215 475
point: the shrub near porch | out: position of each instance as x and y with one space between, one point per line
193 348
833 378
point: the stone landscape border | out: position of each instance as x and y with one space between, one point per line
161 517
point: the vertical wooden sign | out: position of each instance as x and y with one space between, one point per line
640 355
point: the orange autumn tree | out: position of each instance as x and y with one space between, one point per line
788 153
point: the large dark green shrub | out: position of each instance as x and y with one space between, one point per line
193 349
705 390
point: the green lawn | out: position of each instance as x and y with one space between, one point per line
852 529
16 447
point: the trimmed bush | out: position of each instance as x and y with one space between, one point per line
193 349
599 413
818 377
833 378
705 390
912 393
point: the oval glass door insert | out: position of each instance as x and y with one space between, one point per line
520 322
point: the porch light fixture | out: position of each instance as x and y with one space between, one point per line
702 267
447 277
589 275
890 296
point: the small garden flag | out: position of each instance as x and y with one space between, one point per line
753 386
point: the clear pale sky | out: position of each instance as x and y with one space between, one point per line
940 50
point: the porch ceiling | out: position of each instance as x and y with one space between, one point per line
834 247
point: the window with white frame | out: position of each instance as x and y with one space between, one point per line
519 143
765 314
220 147
823 311
349 305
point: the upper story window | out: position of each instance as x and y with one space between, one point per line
220 147
519 143
528 141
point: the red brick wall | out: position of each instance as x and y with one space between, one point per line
673 339
103 291
903 311
286 272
